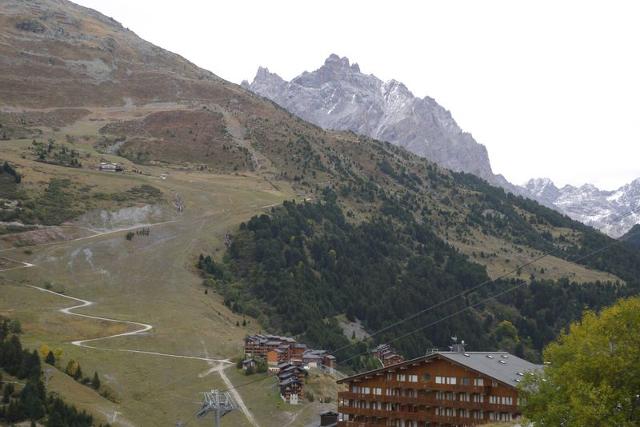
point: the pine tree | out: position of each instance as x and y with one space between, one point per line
50 359
78 374
95 382
31 402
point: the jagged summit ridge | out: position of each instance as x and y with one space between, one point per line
613 212
339 96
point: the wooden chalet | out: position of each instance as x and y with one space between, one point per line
291 383
387 355
452 389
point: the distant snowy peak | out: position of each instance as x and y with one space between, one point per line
339 96
543 190
613 212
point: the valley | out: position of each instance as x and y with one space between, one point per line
124 164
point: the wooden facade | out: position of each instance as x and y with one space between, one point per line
432 391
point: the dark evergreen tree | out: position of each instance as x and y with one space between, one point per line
50 359
31 400
95 382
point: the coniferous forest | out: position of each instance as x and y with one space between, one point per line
303 265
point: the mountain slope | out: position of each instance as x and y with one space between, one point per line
200 122
339 96
613 212
222 155
633 236
197 121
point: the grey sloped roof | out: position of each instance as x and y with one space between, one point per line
502 366
507 372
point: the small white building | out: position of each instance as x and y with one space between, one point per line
110 167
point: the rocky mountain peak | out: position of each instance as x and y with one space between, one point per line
263 74
336 62
612 212
338 96
396 88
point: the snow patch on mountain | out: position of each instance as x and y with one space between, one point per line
612 212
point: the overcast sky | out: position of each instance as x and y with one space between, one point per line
551 88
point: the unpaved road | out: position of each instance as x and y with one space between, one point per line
219 368
142 328
218 365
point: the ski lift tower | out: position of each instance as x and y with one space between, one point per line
220 403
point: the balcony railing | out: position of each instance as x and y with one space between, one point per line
360 423
421 400
430 418
458 387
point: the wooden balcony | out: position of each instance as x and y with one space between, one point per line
422 409
387 417
407 385
384 414
417 401
458 388
360 424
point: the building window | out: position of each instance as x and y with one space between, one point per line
466 381
377 391
478 382
448 412
401 377
426 376
413 378
439 380
478 398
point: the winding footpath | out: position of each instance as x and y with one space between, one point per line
218 365
141 329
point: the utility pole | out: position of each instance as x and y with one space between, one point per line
220 403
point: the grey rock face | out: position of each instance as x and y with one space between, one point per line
612 212
338 96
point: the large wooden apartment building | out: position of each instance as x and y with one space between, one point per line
452 389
